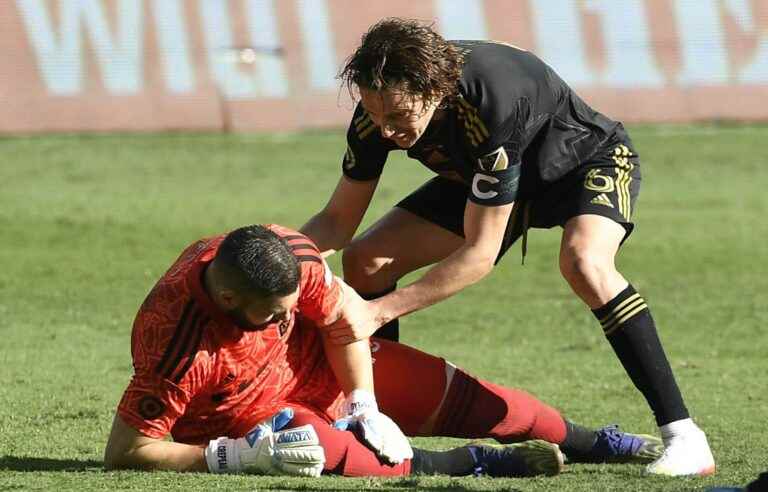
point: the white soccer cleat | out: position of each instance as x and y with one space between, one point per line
684 455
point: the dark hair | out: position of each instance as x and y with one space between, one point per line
258 261
407 55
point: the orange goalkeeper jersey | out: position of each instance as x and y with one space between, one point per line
197 376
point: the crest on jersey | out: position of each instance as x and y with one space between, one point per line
495 161
151 407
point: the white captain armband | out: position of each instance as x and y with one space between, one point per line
494 188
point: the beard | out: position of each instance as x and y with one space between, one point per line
241 321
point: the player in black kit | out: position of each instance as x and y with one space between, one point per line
513 148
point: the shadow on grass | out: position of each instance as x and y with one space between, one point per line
389 485
29 464
32 464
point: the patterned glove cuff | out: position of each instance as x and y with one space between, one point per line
359 401
219 455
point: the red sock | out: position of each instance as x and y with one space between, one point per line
474 408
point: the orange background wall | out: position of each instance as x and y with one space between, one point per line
146 65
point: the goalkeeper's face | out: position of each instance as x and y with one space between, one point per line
256 313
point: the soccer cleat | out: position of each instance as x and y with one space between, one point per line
686 454
613 446
524 459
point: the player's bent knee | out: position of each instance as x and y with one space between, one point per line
585 268
362 267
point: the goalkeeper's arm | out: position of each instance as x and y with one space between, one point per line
268 448
128 448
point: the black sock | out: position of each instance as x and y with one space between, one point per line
391 330
629 328
578 440
455 462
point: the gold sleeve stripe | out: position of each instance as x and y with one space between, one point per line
476 132
361 118
473 118
360 125
367 131
473 136
473 133
467 127
470 116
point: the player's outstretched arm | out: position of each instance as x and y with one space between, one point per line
333 227
267 449
127 448
484 231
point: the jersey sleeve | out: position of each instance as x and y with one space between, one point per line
366 151
151 405
498 151
320 294
165 373
495 111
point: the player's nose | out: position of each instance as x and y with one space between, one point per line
387 131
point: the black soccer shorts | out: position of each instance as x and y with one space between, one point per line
607 185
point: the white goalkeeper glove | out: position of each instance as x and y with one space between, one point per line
375 428
267 450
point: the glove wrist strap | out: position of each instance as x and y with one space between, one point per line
219 456
360 400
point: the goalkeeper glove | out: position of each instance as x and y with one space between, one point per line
266 449
375 428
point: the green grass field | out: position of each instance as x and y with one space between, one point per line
90 222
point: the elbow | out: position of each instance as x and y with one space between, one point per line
121 459
111 461
483 265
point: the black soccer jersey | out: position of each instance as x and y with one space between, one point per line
513 126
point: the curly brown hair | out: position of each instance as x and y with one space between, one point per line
405 55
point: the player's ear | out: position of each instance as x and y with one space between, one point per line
229 298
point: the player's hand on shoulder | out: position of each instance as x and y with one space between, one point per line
376 429
358 319
267 449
